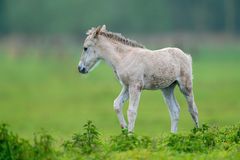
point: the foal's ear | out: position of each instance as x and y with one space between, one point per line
97 31
90 31
104 28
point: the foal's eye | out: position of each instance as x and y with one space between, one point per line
85 49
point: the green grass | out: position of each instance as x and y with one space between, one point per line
48 92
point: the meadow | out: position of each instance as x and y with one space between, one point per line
46 91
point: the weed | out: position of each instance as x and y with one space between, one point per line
43 146
126 141
12 147
87 142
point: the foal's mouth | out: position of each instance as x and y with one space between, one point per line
84 72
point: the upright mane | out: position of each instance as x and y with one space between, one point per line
120 38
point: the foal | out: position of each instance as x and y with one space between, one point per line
138 68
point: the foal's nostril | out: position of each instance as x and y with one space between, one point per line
82 69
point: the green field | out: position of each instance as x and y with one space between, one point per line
48 92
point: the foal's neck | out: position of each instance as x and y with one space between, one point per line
113 52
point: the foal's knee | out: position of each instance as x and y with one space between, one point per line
117 106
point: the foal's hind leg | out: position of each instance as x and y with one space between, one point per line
173 106
185 84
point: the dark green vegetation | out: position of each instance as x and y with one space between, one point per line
200 143
136 16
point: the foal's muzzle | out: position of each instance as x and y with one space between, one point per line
82 69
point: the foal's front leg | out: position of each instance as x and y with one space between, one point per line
118 105
134 93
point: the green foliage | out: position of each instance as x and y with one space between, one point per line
87 142
199 140
43 146
126 141
207 141
12 147
204 139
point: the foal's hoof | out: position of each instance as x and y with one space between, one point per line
197 125
130 133
124 130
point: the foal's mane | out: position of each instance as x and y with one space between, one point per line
117 37
120 38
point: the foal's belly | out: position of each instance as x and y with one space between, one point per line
154 82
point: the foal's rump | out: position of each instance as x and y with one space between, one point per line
182 60
185 75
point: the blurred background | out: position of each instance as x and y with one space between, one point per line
41 43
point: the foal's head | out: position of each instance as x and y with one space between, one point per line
91 53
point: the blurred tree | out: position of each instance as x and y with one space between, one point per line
3 23
139 16
230 15
237 16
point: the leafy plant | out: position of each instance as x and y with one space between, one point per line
43 146
12 147
199 140
87 142
126 141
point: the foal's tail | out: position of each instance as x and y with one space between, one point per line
189 59
189 63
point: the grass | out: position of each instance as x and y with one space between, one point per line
47 92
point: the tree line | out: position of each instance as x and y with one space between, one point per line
137 16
